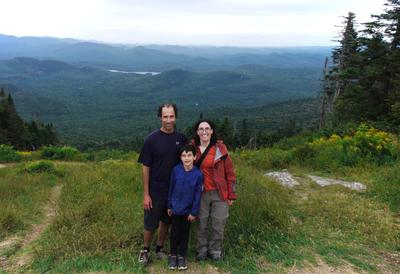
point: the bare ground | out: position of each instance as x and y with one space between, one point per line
21 259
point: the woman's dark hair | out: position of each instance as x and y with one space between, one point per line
213 139
188 148
167 105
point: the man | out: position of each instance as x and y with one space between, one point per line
159 154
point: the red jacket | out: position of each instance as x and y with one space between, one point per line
224 173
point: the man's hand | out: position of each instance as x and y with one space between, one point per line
191 218
230 202
147 202
169 212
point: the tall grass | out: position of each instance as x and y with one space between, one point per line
100 216
99 224
22 197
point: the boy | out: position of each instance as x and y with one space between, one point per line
183 204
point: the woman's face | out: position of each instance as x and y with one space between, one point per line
204 131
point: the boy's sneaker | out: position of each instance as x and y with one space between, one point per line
182 263
161 254
172 262
144 257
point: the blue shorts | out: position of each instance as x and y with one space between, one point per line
156 214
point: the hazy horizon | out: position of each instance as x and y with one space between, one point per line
236 23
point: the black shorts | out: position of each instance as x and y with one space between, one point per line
158 213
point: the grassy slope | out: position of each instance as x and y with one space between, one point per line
99 224
22 198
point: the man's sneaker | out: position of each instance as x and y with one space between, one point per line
144 257
182 263
172 262
161 254
201 257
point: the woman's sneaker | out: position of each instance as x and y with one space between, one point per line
143 257
201 256
172 262
182 263
215 256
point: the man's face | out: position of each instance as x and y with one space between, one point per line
168 119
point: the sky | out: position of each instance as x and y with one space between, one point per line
250 23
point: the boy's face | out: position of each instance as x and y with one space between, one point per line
187 158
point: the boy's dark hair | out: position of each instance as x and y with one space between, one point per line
213 139
167 105
188 148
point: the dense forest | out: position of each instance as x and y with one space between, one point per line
362 79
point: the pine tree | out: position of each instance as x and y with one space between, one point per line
346 72
15 126
225 132
244 134
14 131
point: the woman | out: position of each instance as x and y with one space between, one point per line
219 190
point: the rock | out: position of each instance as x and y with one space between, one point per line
327 181
284 178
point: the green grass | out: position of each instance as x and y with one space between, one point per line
22 197
99 223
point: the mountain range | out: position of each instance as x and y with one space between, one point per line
69 83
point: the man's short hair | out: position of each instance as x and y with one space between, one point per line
187 148
167 105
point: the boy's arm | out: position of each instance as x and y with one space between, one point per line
197 196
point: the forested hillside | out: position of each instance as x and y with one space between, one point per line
82 101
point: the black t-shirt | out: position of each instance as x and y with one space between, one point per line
160 152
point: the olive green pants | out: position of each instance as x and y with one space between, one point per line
215 212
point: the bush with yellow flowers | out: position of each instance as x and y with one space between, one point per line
366 144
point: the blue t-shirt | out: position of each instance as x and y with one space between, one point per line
160 152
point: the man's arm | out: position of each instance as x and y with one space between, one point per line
147 202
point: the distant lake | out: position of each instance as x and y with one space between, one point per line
136 72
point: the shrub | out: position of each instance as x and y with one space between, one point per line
366 145
60 153
8 154
39 167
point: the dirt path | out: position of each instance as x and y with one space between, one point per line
160 267
19 245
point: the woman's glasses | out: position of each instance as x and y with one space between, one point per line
204 129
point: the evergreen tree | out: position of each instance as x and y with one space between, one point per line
346 72
14 131
225 132
244 134
15 126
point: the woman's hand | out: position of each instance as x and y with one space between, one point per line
230 202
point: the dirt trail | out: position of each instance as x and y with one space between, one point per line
21 258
